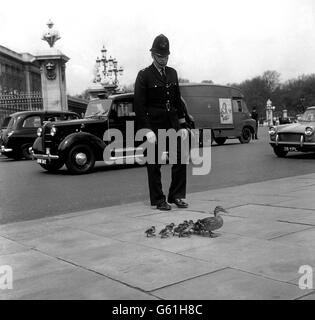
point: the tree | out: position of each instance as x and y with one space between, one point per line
83 95
182 80
272 79
129 88
207 81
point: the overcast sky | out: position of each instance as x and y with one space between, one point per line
221 40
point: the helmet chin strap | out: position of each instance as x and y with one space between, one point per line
157 63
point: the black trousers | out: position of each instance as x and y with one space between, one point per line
178 184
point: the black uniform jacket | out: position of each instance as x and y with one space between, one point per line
157 102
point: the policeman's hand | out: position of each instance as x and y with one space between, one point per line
184 133
151 137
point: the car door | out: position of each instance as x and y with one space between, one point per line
122 117
28 128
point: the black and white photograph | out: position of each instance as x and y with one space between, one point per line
157 155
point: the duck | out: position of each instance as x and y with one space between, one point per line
213 223
150 232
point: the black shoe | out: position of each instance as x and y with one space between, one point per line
164 206
180 203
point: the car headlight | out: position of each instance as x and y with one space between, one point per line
10 133
53 131
309 131
39 132
272 131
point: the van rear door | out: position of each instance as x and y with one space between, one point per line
240 112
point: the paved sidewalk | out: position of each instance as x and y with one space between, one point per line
267 235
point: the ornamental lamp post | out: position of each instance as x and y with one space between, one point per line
109 69
269 112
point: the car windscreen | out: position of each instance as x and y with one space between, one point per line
98 108
12 123
308 116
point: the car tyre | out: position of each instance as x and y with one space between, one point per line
81 159
25 151
246 135
220 140
280 152
52 166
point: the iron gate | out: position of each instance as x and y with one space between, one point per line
11 103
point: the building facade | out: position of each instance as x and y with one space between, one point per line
20 85
19 72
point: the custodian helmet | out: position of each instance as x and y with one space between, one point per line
161 45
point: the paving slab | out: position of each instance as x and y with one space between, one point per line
59 243
104 253
102 215
229 284
29 264
301 203
268 212
304 238
140 266
261 229
304 192
172 244
178 216
71 283
306 220
272 259
310 296
119 227
29 229
8 247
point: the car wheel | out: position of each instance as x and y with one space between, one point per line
52 166
246 135
220 140
81 159
280 152
25 151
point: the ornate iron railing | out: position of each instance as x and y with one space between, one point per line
11 103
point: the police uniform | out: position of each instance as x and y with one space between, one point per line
158 106
255 117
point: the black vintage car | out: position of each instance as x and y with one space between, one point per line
79 143
19 131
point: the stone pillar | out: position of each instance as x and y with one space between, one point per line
52 67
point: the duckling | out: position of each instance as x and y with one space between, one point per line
179 229
165 233
170 227
198 227
151 232
187 230
213 223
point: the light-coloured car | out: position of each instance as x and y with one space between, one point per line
298 136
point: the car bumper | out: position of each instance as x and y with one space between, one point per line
4 150
43 156
298 144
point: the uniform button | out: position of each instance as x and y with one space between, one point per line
167 92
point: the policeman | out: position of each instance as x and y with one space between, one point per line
158 106
255 117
